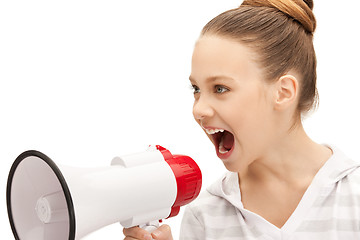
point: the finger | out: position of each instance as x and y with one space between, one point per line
129 238
162 233
137 233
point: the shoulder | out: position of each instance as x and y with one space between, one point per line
343 188
347 170
344 172
352 182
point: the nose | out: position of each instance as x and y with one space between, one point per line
202 109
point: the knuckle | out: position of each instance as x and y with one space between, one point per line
132 233
166 228
163 233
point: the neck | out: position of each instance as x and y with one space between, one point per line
292 158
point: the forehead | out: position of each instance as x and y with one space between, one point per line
220 56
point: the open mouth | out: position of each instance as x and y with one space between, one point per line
223 140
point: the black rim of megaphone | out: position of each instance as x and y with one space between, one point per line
61 179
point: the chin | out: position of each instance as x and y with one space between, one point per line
232 161
232 167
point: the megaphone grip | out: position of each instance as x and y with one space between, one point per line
150 226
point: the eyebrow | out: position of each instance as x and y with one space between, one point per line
213 78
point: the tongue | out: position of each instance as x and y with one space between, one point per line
228 140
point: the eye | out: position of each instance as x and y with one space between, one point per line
221 89
195 89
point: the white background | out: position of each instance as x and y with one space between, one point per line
84 81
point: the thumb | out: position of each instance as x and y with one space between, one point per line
162 233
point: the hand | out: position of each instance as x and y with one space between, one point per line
136 233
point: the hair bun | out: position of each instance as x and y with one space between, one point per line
310 4
299 10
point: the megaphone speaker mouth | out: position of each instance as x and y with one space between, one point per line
38 199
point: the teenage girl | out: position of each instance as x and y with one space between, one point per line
254 77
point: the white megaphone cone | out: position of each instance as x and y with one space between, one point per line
50 202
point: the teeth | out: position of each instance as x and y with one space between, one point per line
213 131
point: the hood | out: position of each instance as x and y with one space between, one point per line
227 187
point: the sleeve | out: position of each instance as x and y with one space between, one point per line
191 227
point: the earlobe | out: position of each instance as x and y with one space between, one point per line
286 92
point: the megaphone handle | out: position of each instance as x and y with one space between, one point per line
150 226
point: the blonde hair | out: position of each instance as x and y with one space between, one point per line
281 33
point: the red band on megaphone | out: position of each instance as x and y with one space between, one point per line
188 178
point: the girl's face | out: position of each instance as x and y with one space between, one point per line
233 103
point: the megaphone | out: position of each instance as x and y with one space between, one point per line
50 202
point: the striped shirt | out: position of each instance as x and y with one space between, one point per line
329 209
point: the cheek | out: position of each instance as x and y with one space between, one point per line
249 117
247 108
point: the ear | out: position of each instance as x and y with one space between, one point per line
286 92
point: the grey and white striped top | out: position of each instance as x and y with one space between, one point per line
329 209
